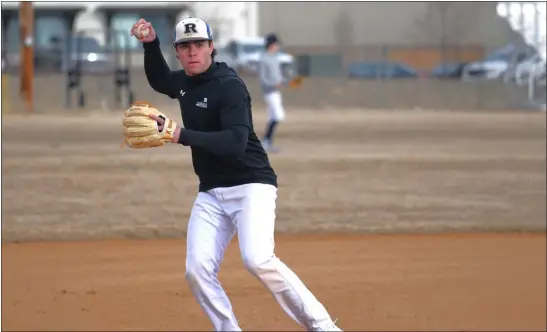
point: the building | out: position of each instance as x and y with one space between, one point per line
412 32
112 21
421 34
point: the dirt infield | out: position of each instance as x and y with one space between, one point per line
373 283
66 179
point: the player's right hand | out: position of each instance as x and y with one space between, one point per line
147 25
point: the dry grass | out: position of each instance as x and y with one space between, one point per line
65 177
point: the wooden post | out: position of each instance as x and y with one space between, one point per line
6 94
26 19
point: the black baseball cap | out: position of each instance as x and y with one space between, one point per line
271 39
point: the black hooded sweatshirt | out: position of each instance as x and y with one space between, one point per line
218 123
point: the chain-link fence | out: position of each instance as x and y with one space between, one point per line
373 76
78 72
426 77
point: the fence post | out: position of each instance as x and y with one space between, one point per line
26 18
381 79
6 95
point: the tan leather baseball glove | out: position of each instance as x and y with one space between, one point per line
141 131
295 82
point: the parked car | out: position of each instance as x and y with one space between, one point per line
498 63
380 69
452 70
243 54
489 70
89 55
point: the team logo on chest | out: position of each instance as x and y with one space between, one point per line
202 104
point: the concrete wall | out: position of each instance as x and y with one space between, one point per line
341 24
327 94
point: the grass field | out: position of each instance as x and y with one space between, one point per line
65 178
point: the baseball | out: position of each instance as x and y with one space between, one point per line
141 32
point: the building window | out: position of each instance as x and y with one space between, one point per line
47 29
121 24
163 26
11 41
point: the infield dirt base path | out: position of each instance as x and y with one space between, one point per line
374 282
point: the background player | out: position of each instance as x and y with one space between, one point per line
271 81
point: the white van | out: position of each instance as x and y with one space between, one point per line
243 55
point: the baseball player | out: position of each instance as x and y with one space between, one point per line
271 81
237 185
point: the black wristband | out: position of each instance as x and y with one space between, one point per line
183 137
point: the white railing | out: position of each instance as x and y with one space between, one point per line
532 69
536 82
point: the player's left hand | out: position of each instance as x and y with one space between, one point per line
146 127
161 122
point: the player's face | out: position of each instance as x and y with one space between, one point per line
274 47
195 56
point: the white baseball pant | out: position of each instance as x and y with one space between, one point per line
274 103
248 210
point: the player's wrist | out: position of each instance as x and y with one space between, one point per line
176 135
154 43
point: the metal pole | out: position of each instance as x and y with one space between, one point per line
443 8
26 19
536 24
